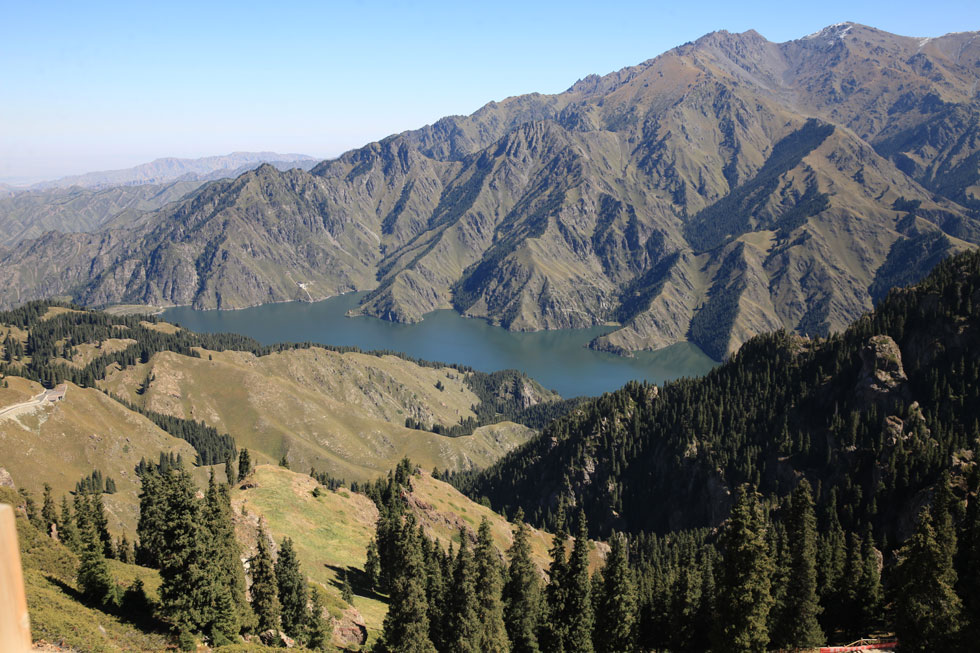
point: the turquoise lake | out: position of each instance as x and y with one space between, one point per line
557 359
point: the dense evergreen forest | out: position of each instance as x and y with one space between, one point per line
872 417
768 579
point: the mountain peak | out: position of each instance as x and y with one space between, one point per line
835 31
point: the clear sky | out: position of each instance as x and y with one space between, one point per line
90 86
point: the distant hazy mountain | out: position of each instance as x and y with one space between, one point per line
30 213
162 171
82 206
728 187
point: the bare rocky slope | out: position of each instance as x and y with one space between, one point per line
728 187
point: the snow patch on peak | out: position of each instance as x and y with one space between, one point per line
837 30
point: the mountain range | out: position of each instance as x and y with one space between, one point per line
729 187
98 200
169 169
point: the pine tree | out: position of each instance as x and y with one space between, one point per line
225 555
265 600
463 626
579 617
229 468
869 595
372 568
30 508
554 632
685 605
831 558
969 557
406 626
316 629
292 589
928 611
798 626
49 514
492 636
101 523
153 517
942 516
435 590
522 592
346 593
850 622
188 589
744 601
94 580
67 532
244 465
124 551
616 613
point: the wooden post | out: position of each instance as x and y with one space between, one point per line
15 626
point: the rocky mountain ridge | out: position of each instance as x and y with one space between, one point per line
169 169
726 188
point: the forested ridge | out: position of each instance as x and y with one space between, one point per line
872 417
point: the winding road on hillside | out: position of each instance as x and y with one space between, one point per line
46 396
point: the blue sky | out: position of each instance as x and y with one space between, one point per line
91 86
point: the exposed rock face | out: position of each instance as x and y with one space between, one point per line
6 480
276 638
350 628
882 374
691 197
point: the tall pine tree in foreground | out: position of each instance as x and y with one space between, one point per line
927 609
616 613
225 555
797 623
292 589
94 579
189 588
744 599
489 584
49 514
554 632
406 626
316 628
244 465
463 625
578 616
522 592
265 597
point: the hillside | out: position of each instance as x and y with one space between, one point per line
726 188
62 442
331 531
872 417
343 414
349 414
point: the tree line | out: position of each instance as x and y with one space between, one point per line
768 579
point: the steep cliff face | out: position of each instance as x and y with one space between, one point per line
725 188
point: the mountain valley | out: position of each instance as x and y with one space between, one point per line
726 188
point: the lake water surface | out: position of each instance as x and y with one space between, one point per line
557 359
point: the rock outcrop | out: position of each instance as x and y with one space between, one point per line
882 375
